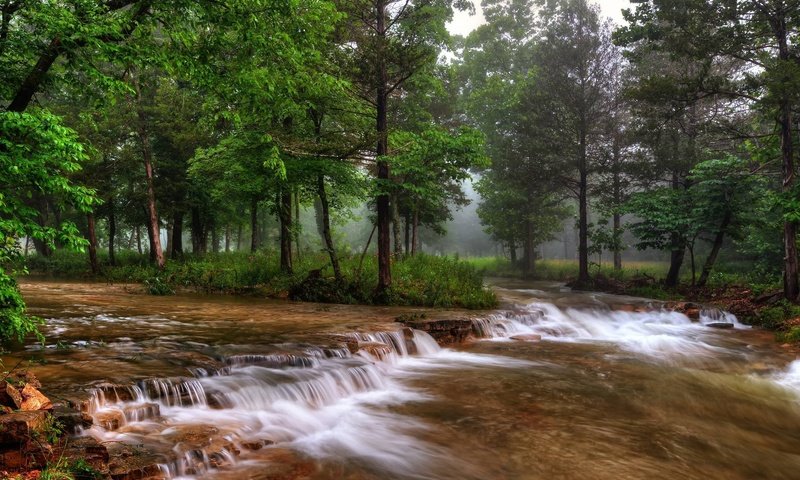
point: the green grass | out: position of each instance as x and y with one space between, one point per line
421 280
565 270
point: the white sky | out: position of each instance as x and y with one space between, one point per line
463 23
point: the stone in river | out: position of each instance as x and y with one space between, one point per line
719 325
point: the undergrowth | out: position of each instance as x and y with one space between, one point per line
421 280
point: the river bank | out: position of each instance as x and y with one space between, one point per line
420 280
229 387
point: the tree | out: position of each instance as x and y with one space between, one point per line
37 155
746 48
579 68
429 168
394 39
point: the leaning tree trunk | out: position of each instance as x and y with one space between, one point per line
326 227
715 248
285 219
90 224
147 156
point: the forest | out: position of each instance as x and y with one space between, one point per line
179 143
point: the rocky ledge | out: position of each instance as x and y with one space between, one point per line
446 331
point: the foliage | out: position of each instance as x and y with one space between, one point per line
37 154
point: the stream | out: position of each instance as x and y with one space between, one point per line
241 388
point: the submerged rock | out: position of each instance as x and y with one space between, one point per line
719 325
444 331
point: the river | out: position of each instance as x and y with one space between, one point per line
234 388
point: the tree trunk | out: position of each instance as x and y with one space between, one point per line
715 248
364 253
176 244
791 287
407 239
512 253
414 230
112 233
239 237
42 247
583 221
326 227
147 156
296 229
382 130
151 249
529 251
93 264
199 234
139 239
285 219
617 235
691 258
254 225
675 262
398 243
227 237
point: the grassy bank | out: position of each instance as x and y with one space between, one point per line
420 280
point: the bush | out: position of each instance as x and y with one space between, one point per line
15 324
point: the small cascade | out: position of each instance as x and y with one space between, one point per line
653 333
717 317
297 398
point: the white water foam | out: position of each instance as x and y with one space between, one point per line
659 333
328 404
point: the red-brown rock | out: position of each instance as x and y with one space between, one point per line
33 399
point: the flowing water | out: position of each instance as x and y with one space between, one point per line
226 388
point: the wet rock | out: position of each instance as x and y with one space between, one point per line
115 393
531 337
374 349
33 399
692 313
72 420
444 331
128 462
9 396
284 464
719 325
254 445
18 428
88 449
110 419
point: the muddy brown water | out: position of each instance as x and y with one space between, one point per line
605 394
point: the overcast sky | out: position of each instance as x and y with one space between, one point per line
463 23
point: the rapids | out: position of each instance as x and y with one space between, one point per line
217 387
